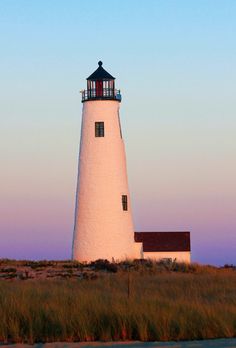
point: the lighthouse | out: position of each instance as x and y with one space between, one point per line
103 219
103 227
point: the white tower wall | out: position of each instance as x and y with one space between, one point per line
103 230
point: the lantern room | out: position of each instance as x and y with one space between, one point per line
101 86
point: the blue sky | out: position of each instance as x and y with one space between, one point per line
175 62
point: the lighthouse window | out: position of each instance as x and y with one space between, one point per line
99 129
124 202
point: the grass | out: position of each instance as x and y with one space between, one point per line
130 301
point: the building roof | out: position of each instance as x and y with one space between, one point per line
163 241
100 74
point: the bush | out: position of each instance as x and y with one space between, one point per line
104 265
72 264
8 270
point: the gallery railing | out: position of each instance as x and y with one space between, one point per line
104 93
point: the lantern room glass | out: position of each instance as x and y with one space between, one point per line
100 88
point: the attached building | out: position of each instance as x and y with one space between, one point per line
164 245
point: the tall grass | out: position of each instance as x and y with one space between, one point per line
133 305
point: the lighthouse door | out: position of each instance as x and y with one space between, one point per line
99 89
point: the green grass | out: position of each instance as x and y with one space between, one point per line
139 302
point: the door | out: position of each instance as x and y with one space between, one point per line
99 89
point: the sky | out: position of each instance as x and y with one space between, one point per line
175 63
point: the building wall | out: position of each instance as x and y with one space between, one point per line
180 256
102 228
138 250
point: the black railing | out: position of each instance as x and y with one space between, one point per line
104 93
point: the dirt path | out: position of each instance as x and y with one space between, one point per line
218 343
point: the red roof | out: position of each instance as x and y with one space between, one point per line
163 241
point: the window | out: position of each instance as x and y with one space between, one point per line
99 129
124 202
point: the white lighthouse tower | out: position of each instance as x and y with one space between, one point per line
103 219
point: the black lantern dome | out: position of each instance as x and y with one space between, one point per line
101 86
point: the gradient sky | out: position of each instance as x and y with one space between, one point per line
175 62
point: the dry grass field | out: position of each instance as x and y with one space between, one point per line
147 301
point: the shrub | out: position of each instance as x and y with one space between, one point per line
104 265
8 270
